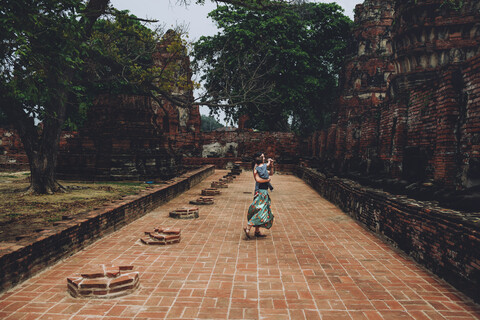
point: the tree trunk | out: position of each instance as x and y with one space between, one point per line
42 169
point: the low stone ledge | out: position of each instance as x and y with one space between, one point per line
185 213
161 236
103 282
26 257
443 240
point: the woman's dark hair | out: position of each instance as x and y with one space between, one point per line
259 160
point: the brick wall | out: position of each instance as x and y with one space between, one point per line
409 105
445 241
282 146
12 154
30 255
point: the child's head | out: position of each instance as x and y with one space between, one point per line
259 160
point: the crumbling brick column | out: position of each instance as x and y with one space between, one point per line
364 83
432 41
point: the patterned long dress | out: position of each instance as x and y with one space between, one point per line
259 212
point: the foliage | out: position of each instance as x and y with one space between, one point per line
3 118
279 66
57 55
452 4
209 123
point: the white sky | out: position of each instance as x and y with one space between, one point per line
194 16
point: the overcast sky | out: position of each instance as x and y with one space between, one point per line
194 16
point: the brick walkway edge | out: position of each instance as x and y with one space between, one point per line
22 259
445 241
314 263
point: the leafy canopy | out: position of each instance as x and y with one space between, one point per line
209 123
279 66
47 59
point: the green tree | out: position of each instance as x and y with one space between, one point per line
279 66
209 123
56 55
47 54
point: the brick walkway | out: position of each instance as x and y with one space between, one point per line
315 263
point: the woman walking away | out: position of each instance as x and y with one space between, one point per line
259 213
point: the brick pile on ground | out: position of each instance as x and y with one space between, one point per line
202 201
219 184
161 236
185 213
209 192
103 282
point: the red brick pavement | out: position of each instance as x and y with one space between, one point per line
315 263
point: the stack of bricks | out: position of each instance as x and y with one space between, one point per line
161 236
210 192
227 179
203 201
185 213
103 282
219 184
236 170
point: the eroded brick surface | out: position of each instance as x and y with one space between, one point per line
203 201
185 213
409 108
210 192
161 236
103 281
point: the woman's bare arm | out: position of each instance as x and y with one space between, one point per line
258 179
270 167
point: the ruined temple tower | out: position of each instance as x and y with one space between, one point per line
129 137
364 84
430 119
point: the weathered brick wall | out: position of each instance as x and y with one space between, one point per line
445 241
409 104
352 140
282 146
136 137
469 125
12 154
28 256
120 140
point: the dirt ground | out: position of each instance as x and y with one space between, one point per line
22 214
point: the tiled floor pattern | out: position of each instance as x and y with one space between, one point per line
315 263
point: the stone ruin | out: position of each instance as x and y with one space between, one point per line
408 118
185 213
210 192
161 236
128 137
203 201
103 282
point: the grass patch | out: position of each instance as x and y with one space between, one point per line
22 214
